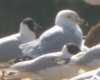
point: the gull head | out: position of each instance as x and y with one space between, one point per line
29 23
67 16
70 49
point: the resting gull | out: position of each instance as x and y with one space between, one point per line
88 60
66 30
47 66
9 46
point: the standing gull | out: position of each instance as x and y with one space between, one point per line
66 30
9 46
48 66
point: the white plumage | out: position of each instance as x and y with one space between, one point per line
49 66
9 46
65 30
90 58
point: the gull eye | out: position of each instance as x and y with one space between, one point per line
69 17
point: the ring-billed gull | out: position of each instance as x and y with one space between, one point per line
48 66
9 46
66 30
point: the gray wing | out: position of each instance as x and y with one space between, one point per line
29 46
51 43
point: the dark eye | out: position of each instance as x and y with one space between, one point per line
69 17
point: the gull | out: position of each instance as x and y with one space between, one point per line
46 67
88 60
9 46
66 30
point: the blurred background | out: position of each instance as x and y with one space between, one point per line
12 12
